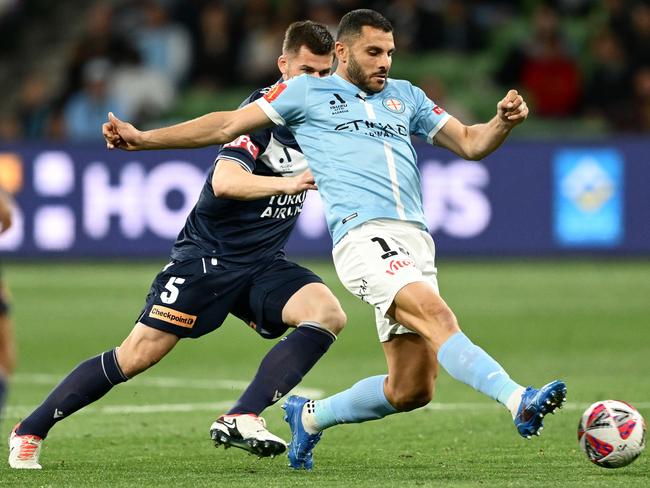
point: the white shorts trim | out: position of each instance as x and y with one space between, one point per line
375 260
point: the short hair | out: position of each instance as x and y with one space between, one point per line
313 35
352 23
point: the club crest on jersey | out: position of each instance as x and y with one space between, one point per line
274 92
394 105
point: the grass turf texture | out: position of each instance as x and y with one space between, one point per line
585 322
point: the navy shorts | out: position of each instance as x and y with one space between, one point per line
191 298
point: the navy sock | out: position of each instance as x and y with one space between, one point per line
3 392
284 366
88 382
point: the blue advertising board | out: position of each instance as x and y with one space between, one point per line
528 198
588 197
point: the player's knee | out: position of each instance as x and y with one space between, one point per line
135 363
440 314
7 365
407 400
7 359
332 317
135 360
336 320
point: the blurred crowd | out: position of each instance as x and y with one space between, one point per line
571 58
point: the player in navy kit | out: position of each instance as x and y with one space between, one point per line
228 258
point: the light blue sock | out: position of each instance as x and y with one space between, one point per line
364 401
470 364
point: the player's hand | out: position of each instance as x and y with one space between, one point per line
5 212
5 221
512 110
120 134
299 183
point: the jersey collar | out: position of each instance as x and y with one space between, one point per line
352 87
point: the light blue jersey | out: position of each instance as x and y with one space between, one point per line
358 146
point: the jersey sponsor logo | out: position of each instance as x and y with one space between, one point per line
284 206
438 110
274 92
394 105
338 105
172 316
396 264
373 128
244 142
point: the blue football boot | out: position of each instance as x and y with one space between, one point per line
302 443
535 404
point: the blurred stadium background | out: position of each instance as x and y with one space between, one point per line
551 233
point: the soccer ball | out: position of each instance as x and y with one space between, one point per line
612 433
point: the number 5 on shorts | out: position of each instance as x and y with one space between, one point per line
171 294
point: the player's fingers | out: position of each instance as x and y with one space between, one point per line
118 125
519 114
508 101
516 103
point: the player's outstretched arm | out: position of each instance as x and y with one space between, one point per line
213 128
478 141
230 180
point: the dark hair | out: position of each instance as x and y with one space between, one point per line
313 35
352 22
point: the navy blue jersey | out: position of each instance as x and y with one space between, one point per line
240 231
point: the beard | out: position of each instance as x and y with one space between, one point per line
361 79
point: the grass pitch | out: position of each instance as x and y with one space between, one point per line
585 322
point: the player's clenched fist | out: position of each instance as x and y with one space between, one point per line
120 134
512 109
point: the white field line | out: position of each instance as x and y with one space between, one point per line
493 405
219 407
163 382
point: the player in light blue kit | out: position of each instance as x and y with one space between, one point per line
354 128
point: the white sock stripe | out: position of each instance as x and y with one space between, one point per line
119 370
104 369
318 327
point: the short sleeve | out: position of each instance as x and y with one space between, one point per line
285 103
242 150
428 118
